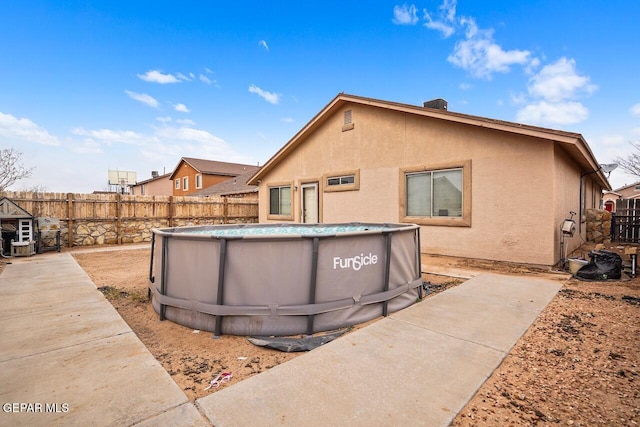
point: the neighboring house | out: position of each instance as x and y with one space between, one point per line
192 174
479 188
236 187
609 200
631 191
157 185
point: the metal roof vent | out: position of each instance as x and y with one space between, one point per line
438 103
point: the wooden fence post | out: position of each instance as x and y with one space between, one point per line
170 211
70 219
225 210
118 222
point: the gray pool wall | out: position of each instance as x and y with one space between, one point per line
283 284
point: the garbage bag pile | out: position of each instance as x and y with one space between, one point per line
603 265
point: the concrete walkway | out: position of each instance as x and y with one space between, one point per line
65 347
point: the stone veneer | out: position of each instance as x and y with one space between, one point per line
598 226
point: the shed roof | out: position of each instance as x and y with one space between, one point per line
9 210
574 143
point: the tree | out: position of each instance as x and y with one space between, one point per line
11 168
631 164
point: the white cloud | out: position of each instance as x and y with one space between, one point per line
155 76
286 120
481 56
204 79
559 113
270 97
559 81
144 98
635 110
445 23
264 44
88 146
165 119
181 107
109 135
185 122
464 86
14 128
554 90
613 139
405 15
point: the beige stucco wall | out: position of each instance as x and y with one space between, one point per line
512 180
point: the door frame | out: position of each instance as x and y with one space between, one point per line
316 186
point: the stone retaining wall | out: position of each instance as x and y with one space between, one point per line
598 226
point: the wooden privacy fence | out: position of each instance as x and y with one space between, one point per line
111 218
625 223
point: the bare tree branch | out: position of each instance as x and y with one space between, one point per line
11 169
631 164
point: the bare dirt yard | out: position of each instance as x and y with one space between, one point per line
577 365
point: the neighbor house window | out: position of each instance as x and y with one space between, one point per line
177 187
280 200
342 181
199 181
185 183
438 196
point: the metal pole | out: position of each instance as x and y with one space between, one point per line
313 282
220 297
387 270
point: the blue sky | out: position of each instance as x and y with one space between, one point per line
134 85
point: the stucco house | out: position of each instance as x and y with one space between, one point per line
191 175
478 187
157 185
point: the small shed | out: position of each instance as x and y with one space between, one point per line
16 225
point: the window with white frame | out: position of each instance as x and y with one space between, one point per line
177 186
199 181
341 180
280 200
185 183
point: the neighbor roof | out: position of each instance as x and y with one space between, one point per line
573 143
237 185
214 167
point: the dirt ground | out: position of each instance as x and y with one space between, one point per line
577 365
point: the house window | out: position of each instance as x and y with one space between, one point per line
435 193
342 181
199 181
177 187
142 189
185 183
437 196
280 200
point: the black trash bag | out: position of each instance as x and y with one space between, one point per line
603 265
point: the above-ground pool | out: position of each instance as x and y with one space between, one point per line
283 279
